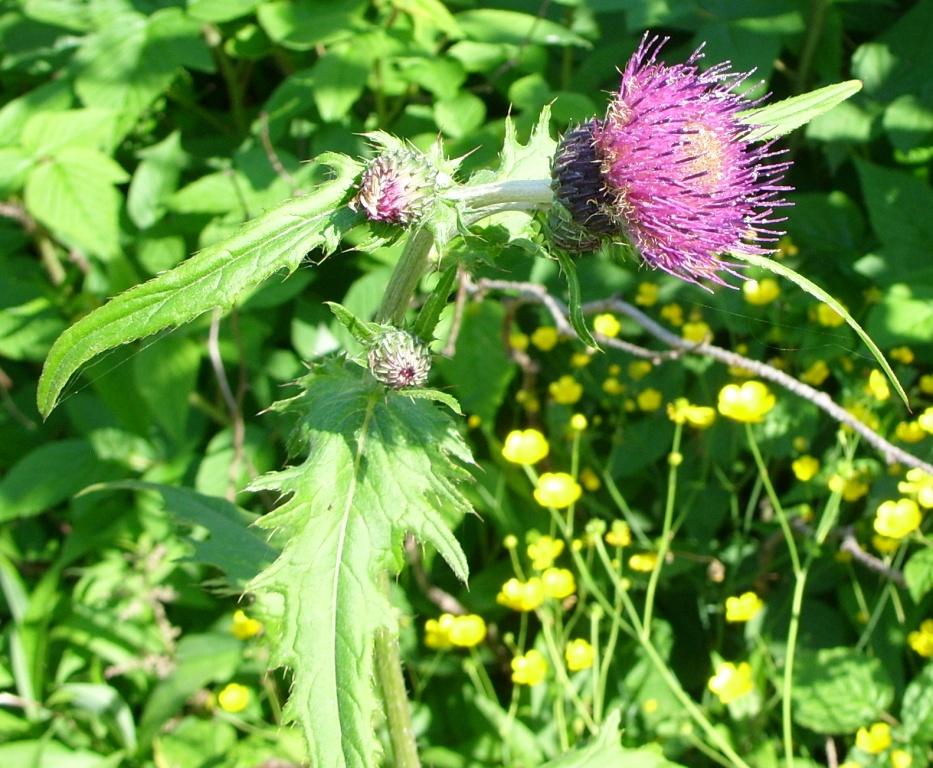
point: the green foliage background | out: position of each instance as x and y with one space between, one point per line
135 133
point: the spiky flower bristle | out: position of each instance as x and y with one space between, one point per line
397 187
399 360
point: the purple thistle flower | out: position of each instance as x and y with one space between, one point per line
397 187
680 182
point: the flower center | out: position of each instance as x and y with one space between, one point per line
704 154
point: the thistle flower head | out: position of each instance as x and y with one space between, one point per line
670 170
399 360
397 187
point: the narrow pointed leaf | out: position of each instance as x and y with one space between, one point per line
784 116
814 290
427 318
575 303
379 464
217 277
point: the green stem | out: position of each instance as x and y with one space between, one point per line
535 192
406 276
660 666
388 664
665 533
215 41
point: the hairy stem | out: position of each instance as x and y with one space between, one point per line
536 193
388 664
406 276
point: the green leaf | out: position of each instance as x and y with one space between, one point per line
218 276
101 701
363 331
221 10
303 25
814 290
430 312
233 545
918 573
166 375
133 59
575 303
496 26
379 464
904 316
784 116
14 165
460 115
73 194
155 180
838 690
339 79
433 11
917 707
48 475
47 132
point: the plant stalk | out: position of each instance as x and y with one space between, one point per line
406 275
388 664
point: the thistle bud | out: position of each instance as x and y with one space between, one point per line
579 220
397 187
399 360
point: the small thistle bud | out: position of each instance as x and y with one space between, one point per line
579 219
397 187
399 360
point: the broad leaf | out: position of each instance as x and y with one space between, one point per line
379 464
784 116
918 573
837 690
217 277
917 706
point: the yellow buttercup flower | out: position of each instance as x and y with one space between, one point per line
696 331
805 468
607 325
761 292
745 607
566 390
521 596
900 758
638 369
926 383
545 338
643 562
903 355
909 432
877 386
851 487
748 402
519 341
233 698
921 640
529 669
925 420
525 446
885 545
590 480
557 490
543 551
731 681
578 422
510 541
681 411
243 627
437 632
649 400
579 655
558 583
874 739
896 519
612 386
673 313
647 294
920 485
619 534
467 631
828 317
580 359
816 374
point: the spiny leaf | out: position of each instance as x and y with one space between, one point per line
784 116
814 290
379 464
363 331
217 277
